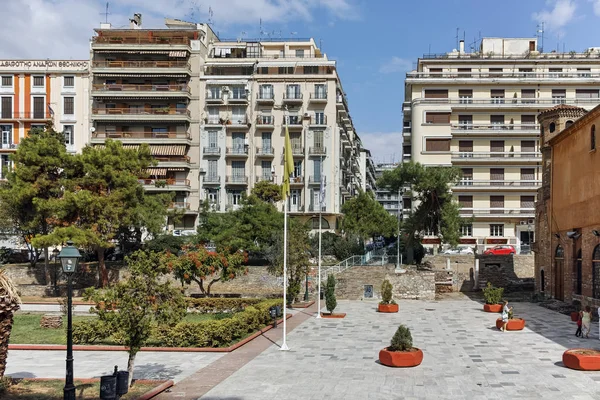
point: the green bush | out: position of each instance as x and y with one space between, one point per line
330 300
88 332
402 340
492 295
220 305
386 293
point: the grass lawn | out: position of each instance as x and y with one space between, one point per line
53 389
26 328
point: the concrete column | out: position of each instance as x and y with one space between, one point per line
447 263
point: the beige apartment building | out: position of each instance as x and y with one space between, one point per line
35 92
477 111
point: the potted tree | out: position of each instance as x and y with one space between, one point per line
492 296
401 352
514 324
330 300
387 304
582 359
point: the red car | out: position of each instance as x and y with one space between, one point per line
500 250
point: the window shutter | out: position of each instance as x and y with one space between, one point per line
497 174
6 110
465 146
527 201
437 118
528 146
437 144
465 201
497 92
436 94
497 146
586 93
497 202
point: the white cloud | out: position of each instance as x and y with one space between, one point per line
384 146
62 28
396 64
561 13
596 6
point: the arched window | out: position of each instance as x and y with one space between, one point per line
568 124
593 138
577 274
552 127
542 281
558 274
315 223
596 273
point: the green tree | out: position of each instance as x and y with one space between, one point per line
196 264
298 248
170 243
267 191
436 211
104 201
333 244
142 302
330 300
29 196
365 217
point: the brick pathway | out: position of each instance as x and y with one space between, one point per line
203 380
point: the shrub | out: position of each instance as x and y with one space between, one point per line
492 295
386 293
220 305
330 300
88 332
402 340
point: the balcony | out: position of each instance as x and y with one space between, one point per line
26 116
296 180
496 103
317 151
173 161
265 121
267 152
314 180
498 212
265 178
238 98
502 157
294 122
167 184
236 179
292 98
210 151
296 208
469 129
297 151
265 98
127 90
237 151
125 39
237 122
211 179
318 97
318 121
142 137
145 114
214 97
137 67
179 205
504 76
315 207
501 185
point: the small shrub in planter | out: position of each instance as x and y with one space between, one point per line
400 352
387 304
330 300
493 297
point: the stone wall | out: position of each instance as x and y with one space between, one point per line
416 285
513 273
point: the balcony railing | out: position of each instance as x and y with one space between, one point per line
292 120
318 96
240 179
464 183
238 97
141 64
297 180
165 182
320 120
237 150
266 177
237 120
497 211
265 151
486 155
265 120
142 39
141 135
314 179
315 207
504 74
317 150
507 102
179 205
296 150
209 150
265 97
141 111
26 115
212 179
292 97
9 146
140 88
490 126
175 159
214 97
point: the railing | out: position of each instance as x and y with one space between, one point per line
238 97
212 179
212 150
179 205
508 101
504 74
314 179
314 207
265 120
296 180
165 182
505 183
292 120
486 154
317 150
140 88
267 178
141 111
292 96
265 151
142 135
9 146
27 115
497 211
321 120
469 126
213 96
297 208
242 179
296 150
318 96
265 97
184 159
140 40
374 258
140 64
237 120
237 150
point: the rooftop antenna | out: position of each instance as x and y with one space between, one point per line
106 13
210 16
539 33
194 11
457 30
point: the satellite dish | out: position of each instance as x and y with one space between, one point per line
92 129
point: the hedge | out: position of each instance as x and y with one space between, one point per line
220 305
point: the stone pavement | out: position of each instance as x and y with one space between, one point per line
466 357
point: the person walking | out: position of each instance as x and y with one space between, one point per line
505 311
586 321
578 332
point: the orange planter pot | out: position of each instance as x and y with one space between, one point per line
401 358
582 359
336 315
387 308
515 324
492 308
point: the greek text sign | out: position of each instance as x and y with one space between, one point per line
43 65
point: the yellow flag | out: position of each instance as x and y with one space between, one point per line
288 165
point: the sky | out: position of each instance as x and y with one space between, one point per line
375 42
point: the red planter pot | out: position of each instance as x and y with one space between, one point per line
496 308
336 315
575 316
387 308
515 324
582 359
401 358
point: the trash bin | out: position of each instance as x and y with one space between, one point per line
108 387
122 382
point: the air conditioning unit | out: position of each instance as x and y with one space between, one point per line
225 88
306 115
531 221
523 222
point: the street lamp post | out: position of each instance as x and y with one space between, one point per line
55 252
69 258
529 236
400 207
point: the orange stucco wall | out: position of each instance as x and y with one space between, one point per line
16 105
27 94
576 180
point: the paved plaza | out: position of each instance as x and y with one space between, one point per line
466 357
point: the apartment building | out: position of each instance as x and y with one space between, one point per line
394 202
252 90
477 111
145 89
35 92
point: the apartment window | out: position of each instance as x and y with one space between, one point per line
300 53
528 147
212 170
320 91
586 93
466 230
69 105
527 72
69 81
559 96
212 196
497 176
527 176
495 71
38 107
311 69
7 81
437 144
497 146
465 148
528 122
293 92
296 140
235 197
320 117
435 71
464 72
465 96
249 70
436 94
238 114
286 70
584 72
465 121
297 169
6 105
317 168
213 115
264 70
265 167
238 140
593 138
265 92
527 201
437 118
295 200
266 143
497 230
497 121
238 92
213 139
7 136
318 139
214 92
38 81
528 96
467 177
465 201
497 96
238 169
6 165
69 132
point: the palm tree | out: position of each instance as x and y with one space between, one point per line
9 303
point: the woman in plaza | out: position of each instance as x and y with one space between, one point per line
586 321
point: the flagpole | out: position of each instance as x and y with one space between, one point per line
320 235
284 346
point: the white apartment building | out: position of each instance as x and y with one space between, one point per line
477 111
35 92
394 202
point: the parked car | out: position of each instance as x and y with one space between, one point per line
459 250
501 250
